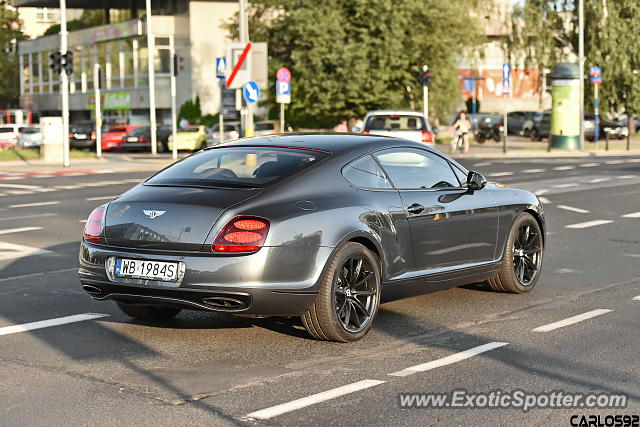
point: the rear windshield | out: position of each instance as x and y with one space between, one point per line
5 130
29 130
117 130
236 167
139 131
264 126
395 122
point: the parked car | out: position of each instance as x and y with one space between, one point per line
217 233
409 125
541 127
139 139
83 135
112 139
268 127
192 138
516 121
9 135
29 136
231 132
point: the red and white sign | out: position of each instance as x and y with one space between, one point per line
239 58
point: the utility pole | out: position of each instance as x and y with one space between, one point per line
581 68
96 86
244 38
64 85
425 93
174 115
152 82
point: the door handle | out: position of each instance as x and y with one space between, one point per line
415 208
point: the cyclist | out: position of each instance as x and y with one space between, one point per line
461 128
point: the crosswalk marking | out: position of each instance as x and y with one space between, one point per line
589 223
632 215
572 209
50 322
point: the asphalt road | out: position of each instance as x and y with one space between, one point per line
208 369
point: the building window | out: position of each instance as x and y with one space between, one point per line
45 14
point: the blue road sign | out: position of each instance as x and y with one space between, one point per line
221 67
506 78
595 75
251 92
283 88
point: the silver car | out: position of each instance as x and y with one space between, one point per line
29 136
409 125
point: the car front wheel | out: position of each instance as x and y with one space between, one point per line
522 257
348 298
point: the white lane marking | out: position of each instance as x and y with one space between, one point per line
19 230
544 200
570 184
563 168
12 178
613 162
31 275
627 176
42 176
541 192
593 181
636 298
2 195
633 160
589 223
67 187
482 164
589 165
51 322
632 215
12 251
572 209
90 199
19 192
501 174
22 186
83 221
572 320
448 360
274 411
75 174
10 218
136 180
29 205
533 170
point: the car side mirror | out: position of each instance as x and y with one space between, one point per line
476 181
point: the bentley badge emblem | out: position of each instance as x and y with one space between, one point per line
153 214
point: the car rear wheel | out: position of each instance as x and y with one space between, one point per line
522 258
148 312
349 296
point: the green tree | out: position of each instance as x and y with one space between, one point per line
351 56
191 111
88 19
10 34
546 33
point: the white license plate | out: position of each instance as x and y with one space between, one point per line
132 139
81 136
142 269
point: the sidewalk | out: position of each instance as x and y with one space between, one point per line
520 147
125 162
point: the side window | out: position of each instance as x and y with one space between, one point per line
366 173
416 169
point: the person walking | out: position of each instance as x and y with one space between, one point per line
341 127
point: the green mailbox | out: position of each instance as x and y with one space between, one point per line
565 110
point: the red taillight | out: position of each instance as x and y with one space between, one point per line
71 135
427 136
94 226
365 132
93 135
242 234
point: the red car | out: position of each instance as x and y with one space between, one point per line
112 139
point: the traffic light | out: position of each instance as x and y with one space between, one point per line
178 65
425 76
55 62
67 62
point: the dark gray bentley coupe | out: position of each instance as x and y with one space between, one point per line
320 226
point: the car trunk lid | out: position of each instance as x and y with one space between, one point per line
169 217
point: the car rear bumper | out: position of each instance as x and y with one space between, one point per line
278 281
137 145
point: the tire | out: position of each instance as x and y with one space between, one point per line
148 312
161 147
516 275
480 139
327 317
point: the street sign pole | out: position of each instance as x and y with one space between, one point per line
152 81
174 113
64 85
581 68
221 115
596 129
282 117
96 86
